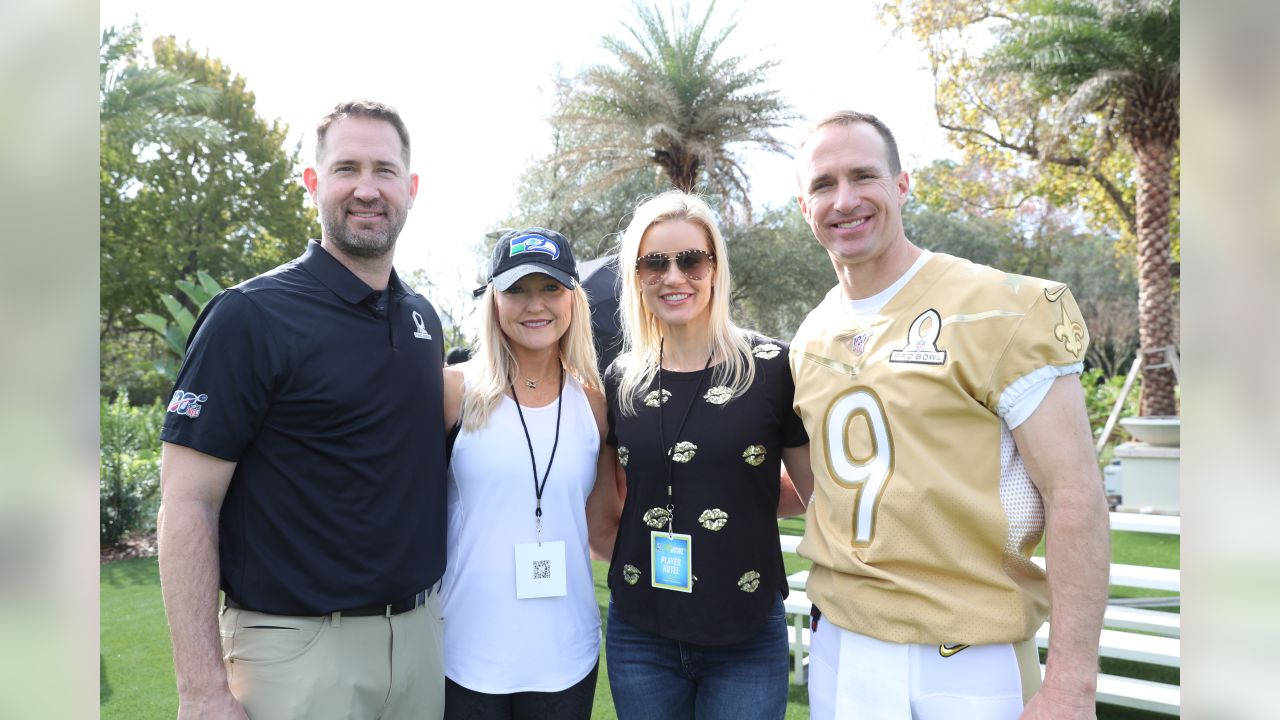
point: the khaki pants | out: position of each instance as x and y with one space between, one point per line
384 668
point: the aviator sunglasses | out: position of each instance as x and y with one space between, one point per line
694 264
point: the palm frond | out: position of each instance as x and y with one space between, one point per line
671 98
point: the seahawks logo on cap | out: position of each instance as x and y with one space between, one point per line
534 243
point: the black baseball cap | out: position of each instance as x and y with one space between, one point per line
531 250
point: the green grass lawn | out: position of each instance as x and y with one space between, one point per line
136 666
137 671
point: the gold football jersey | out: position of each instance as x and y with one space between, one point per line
924 518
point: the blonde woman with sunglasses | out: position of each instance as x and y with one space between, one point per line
700 414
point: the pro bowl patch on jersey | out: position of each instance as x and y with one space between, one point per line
421 333
922 341
185 403
534 243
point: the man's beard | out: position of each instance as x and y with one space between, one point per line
368 244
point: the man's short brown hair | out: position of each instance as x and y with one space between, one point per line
846 118
364 109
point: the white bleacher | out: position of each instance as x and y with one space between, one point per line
1138 694
1132 634
1139 522
1139 576
1134 647
1157 622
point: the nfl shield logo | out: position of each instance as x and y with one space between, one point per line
859 343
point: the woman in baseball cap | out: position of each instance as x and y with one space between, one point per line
526 509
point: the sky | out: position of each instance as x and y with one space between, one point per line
473 83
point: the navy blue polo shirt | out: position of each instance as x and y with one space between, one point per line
332 408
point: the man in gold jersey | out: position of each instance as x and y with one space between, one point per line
948 435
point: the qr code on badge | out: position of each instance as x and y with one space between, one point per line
541 569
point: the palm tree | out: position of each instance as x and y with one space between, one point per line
1116 62
141 104
673 101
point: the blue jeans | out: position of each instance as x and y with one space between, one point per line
653 678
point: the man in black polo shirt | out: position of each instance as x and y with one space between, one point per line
303 468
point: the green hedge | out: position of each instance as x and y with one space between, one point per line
129 470
1100 395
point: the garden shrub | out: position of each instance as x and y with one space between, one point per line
1100 394
129 470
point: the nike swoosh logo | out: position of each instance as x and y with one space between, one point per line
946 650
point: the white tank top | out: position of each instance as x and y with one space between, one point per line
494 643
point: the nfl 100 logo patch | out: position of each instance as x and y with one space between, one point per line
186 403
858 343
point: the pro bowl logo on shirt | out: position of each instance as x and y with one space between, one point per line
186 403
421 333
922 341
534 243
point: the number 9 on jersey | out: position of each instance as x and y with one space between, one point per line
868 474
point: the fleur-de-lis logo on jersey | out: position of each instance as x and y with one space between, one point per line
1071 333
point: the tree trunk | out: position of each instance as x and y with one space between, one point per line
682 170
1158 323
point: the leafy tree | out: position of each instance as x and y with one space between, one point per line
142 104
573 199
452 300
1089 93
593 222
1004 128
550 196
129 467
982 240
198 294
779 271
672 99
1117 63
191 178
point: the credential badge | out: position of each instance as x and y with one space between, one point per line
421 333
922 341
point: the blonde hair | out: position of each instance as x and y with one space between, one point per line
495 363
642 333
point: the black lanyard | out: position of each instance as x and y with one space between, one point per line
538 488
662 436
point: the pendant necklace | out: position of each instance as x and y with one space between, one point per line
671 508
